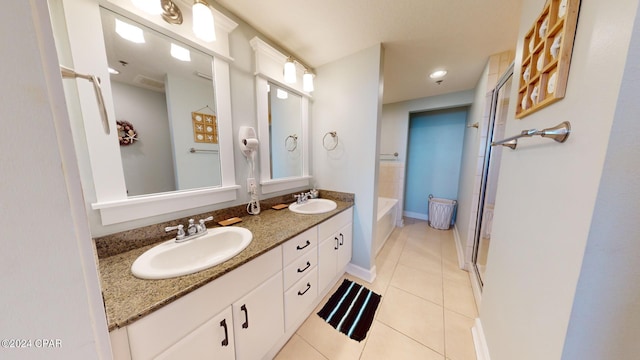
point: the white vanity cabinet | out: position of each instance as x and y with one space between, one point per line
196 325
336 244
258 320
300 276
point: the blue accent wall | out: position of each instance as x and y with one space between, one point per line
434 157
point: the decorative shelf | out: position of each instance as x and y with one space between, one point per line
546 56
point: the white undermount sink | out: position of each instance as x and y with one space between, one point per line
313 206
171 259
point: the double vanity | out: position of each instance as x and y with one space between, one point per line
246 307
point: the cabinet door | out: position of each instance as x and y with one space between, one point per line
212 340
346 246
259 319
327 261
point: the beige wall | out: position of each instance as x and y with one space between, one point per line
547 192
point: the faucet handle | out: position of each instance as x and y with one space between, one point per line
201 226
180 228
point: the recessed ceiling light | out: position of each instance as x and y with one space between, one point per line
113 71
438 74
180 53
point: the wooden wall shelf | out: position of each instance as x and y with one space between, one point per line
546 56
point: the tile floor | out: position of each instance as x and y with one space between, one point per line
427 307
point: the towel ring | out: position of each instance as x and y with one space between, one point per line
334 135
291 145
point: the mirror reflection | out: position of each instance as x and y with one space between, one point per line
285 132
163 95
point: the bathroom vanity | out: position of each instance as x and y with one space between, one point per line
245 308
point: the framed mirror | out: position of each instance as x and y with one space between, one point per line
147 177
283 123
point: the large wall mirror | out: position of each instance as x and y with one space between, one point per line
172 89
283 123
164 89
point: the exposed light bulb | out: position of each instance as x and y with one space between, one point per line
290 71
152 7
180 53
307 81
129 32
203 26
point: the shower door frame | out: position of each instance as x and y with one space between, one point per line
507 76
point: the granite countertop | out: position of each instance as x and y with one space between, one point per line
128 298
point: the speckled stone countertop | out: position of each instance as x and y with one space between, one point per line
128 298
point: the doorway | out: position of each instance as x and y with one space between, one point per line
491 168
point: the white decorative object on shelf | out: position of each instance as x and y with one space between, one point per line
540 62
551 85
555 47
534 94
562 9
527 74
543 28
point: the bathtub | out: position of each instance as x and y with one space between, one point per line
387 216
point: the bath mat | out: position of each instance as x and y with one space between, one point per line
350 309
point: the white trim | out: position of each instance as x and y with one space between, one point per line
475 285
113 212
270 186
459 252
479 341
415 215
368 275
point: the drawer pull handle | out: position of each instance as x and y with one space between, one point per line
223 323
305 245
337 243
305 268
341 239
245 325
305 290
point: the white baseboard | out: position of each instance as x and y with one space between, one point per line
415 215
362 273
456 238
475 286
479 341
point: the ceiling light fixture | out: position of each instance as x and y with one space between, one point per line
129 32
180 53
113 71
290 71
203 25
307 81
438 74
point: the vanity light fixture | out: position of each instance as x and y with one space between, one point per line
180 53
171 12
290 71
307 81
439 74
129 32
203 26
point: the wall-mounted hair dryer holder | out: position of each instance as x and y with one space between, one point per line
247 139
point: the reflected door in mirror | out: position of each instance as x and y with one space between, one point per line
285 132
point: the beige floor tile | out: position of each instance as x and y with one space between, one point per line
458 338
423 284
331 343
386 343
413 316
452 272
296 349
428 246
459 298
421 261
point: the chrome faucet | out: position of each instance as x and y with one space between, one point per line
301 198
193 230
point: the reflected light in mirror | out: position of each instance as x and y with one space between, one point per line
129 32
281 94
180 53
203 26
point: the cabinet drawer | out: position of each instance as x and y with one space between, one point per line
299 245
300 267
299 298
333 224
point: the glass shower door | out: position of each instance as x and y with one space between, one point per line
491 168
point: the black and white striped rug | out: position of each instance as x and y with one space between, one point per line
351 309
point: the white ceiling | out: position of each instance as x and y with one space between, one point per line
419 36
